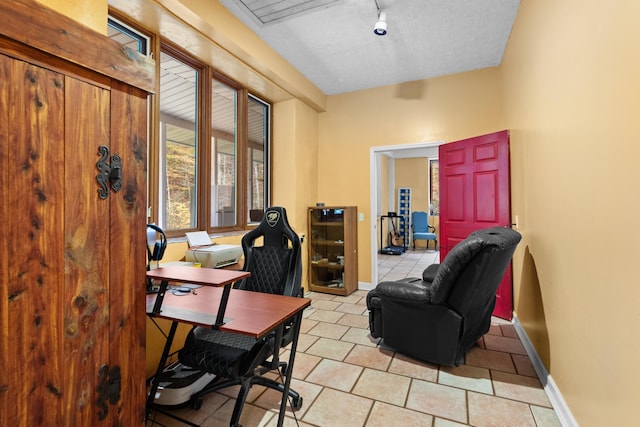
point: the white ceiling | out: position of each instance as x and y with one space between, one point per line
332 41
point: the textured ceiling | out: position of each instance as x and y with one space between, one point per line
332 41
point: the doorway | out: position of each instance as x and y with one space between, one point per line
416 150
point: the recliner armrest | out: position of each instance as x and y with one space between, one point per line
430 272
409 289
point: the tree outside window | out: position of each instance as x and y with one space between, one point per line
434 187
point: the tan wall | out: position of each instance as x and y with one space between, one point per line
295 170
91 13
572 102
414 173
446 108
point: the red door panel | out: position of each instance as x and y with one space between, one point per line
475 194
485 188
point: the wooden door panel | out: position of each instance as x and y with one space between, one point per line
473 177
454 156
456 201
87 253
485 152
128 251
452 241
485 187
474 194
34 246
5 76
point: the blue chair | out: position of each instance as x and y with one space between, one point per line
421 230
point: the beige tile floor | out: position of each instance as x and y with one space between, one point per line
348 380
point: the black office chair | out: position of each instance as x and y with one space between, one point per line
276 268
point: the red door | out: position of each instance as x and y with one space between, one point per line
474 194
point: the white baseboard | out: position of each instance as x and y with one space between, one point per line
365 286
557 401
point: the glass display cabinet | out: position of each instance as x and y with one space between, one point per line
333 249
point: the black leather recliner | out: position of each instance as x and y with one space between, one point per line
276 268
439 317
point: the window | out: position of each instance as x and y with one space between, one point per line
257 184
212 162
434 187
127 36
209 147
178 147
224 101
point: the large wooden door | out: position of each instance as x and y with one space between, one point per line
475 194
72 300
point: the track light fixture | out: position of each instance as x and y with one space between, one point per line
380 29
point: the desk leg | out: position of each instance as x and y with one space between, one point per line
222 307
160 297
163 360
287 379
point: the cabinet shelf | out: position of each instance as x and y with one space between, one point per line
333 255
327 243
327 265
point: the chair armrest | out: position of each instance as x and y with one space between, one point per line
431 227
410 289
430 272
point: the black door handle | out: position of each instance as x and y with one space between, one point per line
108 172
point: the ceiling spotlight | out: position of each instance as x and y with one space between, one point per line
380 29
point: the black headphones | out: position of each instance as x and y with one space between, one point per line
158 247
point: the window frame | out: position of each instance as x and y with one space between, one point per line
116 22
204 150
434 202
267 158
240 135
155 143
206 73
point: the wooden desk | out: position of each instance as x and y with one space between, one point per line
197 276
243 312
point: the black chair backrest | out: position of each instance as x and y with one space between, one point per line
276 266
469 276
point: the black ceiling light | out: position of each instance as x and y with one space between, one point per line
380 29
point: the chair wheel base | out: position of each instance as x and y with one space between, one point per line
296 403
196 403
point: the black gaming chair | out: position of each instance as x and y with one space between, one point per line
276 268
